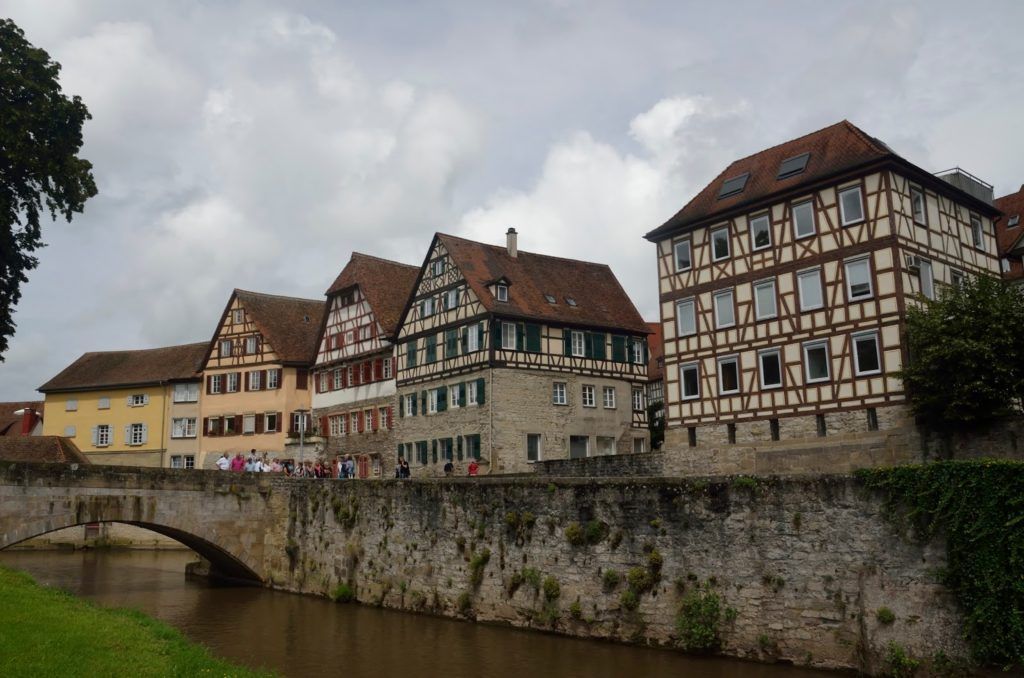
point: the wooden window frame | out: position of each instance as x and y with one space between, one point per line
605 400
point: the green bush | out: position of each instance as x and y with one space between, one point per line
610 579
532 577
476 566
575 611
899 663
640 580
343 593
629 600
885 616
551 589
596 532
574 534
698 621
464 603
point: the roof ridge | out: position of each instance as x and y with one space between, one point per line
382 259
870 141
277 296
141 350
522 252
782 143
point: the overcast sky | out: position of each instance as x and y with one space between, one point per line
257 144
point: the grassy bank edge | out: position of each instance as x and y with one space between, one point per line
49 632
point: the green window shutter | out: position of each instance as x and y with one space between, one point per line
647 356
423 402
520 336
442 398
448 446
567 339
434 450
401 406
588 345
458 442
413 405
598 341
496 334
465 338
451 343
480 383
618 349
431 350
399 450
533 338
410 354
462 394
480 335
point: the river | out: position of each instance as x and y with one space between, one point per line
306 636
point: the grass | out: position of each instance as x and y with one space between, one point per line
47 632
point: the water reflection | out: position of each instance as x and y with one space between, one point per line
304 636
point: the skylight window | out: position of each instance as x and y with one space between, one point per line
571 301
733 186
793 166
550 298
1013 221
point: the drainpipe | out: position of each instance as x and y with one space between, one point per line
164 461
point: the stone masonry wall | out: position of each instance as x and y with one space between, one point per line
801 565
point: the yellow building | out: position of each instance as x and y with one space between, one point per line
256 388
137 408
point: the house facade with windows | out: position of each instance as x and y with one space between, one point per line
354 392
137 408
1011 237
512 357
784 285
256 390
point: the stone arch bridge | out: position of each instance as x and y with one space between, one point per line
238 522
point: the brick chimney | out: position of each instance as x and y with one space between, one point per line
28 421
511 243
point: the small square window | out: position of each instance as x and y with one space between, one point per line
104 403
609 397
728 375
760 232
865 353
588 396
816 361
725 313
558 394
689 378
720 244
683 256
501 292
858 279
851 206
803 219
71 405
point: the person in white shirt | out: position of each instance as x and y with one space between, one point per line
224 463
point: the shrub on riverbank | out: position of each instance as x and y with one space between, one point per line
47 632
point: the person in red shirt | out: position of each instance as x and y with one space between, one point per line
238 463
473 467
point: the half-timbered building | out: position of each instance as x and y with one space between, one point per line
1011 237
511 357
256 378
354 377
784 285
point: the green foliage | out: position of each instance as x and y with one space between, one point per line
966 349
476 566
899 663
343 593
616 540
574 534
552 590
978 507
40 137
610 579
596 531
464 603
730 614
346 516
532 577
639 579
745 482
885 616
629 600
699 619
575 610
656 423
654 563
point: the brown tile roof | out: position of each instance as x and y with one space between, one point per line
10 423
52 449
834 149
1010 205
655 353
387 285
129 368
600 299
289 324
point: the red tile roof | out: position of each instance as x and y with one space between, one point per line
387 286
290 325
836 148
1011 239
655 352
129 368
10 423
51 449
600 299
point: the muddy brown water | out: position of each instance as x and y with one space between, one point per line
307 636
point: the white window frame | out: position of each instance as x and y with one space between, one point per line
538 456
638 400
473 338
386 368
860 336
800 276
689 255
559 393
843 220
183 427
608 397
956 277
508 336
501 292
977 232
273 382
638 351
754 247
588 396
255 381
428 307
410 398
336 381
578 345
471 398
226 347
451 299
916 193
797 235
681 311
237 316
187 392
432 401
367 421
104 402
453 397
248 423
810 345
760 367
216 383
927 277
251 345
721 294
437 267
759 313
71 405
231 382
728 244
729 360
104 434
267 418
136 434
847 265
138 400
683 369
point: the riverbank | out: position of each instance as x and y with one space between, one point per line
47 632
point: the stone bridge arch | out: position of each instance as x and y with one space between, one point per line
231 520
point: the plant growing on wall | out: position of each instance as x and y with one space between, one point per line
966 365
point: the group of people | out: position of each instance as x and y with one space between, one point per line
341 468
402 468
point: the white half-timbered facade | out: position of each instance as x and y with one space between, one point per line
784 285
354 377
511 357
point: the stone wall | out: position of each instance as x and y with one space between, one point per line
801 566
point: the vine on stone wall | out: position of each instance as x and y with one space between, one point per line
978 506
